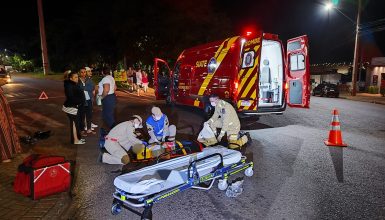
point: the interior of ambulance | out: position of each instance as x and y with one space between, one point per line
271 74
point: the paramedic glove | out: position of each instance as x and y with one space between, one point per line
144 143
220 136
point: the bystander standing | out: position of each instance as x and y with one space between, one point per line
106 90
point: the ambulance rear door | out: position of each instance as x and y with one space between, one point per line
162 80
185 73
297 73
248 95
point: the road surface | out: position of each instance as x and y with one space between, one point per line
295 175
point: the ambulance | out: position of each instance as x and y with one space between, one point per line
253 72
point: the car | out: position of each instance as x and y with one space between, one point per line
5 76
326 89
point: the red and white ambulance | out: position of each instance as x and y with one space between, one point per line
253 72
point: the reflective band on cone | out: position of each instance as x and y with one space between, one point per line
335 135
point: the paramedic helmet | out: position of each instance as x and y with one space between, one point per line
136 119
156 113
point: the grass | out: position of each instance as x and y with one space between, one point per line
59 76
40 75
53 76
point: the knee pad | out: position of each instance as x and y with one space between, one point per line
125 159
238 143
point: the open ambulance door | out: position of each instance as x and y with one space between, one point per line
297 73
162 80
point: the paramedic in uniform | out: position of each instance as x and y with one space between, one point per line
159 127
225 117
120 139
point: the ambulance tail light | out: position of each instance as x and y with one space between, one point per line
286 86
235 90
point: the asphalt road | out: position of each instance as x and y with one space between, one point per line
295 175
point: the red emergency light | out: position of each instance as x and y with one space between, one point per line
249 30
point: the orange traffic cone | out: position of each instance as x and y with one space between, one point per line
335 135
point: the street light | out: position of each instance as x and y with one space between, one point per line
330 6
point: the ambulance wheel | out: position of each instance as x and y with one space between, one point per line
147 214
222 185
249 172
116 208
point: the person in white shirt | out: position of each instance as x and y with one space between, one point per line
138 75
107 88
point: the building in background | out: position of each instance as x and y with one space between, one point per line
375 73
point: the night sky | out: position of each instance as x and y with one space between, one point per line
331 34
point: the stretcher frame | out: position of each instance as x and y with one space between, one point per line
130 201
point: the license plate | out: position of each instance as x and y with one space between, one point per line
332 90
245 103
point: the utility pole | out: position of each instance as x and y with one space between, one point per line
355 59
44 51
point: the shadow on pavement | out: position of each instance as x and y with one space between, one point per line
337 155
372 153
251 123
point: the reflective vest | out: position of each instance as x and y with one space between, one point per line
157 126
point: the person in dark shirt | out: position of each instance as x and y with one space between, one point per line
82 107
74 98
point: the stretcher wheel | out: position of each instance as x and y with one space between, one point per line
249 172
222 185
116 208
147 214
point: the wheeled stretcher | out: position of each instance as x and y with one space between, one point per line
147 186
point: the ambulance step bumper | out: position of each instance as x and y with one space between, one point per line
262 113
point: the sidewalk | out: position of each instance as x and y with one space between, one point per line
32 115
365 97
16 206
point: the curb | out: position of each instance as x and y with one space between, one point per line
369 101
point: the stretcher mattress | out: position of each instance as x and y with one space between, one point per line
171 173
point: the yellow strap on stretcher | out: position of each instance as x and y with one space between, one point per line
181 147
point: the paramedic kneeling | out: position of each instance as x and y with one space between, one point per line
225 117
159 127
120 139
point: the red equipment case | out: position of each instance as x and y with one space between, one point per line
41 175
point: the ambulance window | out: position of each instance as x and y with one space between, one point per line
297 62
296 45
